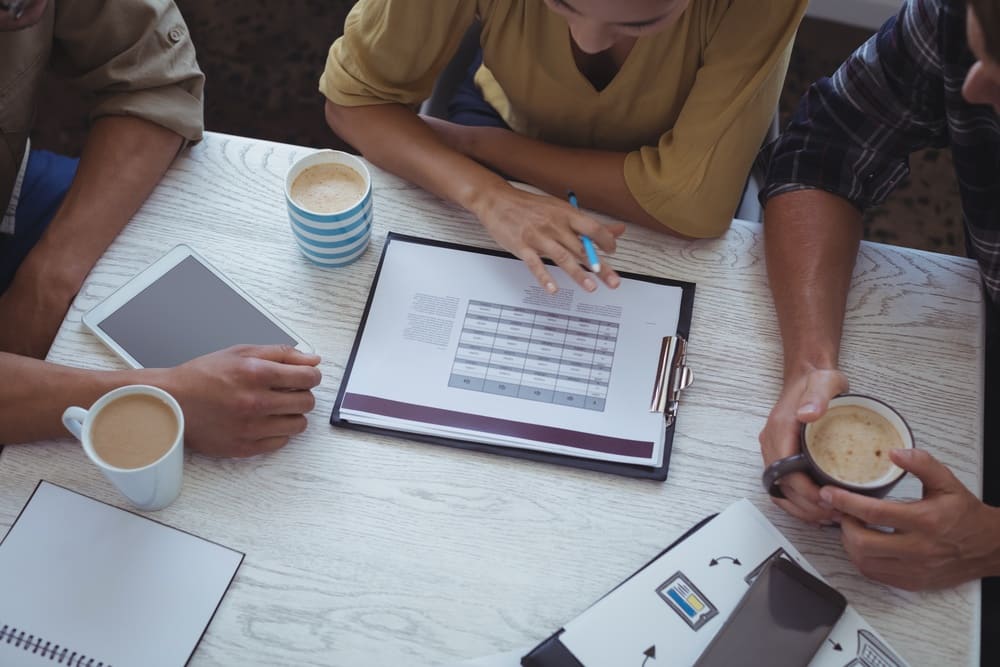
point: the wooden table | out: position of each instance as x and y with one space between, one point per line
367 550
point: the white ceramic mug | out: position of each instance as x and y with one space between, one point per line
152 486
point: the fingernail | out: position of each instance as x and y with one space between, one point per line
808 408
826 496
589 285
550 288
614 282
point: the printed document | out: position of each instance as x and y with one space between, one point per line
465 344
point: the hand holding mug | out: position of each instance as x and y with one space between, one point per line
946 538
849 446
803 399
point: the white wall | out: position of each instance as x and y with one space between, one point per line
864 13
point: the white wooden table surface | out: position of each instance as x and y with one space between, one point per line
367 550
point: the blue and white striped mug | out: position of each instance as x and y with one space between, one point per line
337 238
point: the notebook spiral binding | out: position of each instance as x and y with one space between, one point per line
46 649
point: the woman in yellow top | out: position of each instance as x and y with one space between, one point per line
650 110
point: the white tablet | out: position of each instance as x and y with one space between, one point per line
181 308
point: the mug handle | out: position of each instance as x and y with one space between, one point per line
73 419
774 472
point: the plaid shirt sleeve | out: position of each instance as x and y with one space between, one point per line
852 133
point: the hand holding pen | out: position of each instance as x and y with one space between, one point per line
588 246
535 226
606 273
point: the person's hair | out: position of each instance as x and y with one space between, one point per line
988 14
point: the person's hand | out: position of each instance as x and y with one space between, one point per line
945 539
244 400
803 399
534 226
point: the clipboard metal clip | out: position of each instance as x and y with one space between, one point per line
672 377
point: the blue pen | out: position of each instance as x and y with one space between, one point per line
588 245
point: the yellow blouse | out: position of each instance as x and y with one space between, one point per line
690 105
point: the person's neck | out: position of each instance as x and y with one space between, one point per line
601 68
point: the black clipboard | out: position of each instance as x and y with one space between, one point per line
658 473
552 653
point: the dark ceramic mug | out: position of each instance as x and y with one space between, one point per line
804 461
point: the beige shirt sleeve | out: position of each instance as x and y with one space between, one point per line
136 57
393 50
692 180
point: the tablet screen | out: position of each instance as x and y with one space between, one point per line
186 313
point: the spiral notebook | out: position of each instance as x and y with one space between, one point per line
86 584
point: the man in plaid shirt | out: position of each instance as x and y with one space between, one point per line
930 77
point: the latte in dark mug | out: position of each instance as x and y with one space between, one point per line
848 447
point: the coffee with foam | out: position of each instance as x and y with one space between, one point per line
852 444
328 188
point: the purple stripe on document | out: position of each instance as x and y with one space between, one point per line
450 418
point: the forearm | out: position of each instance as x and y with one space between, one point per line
396 139
811 241
123 160
597 177
35 393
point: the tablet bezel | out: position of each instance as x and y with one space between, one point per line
93 318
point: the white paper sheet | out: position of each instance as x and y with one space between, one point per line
104 583
639 614
474 334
